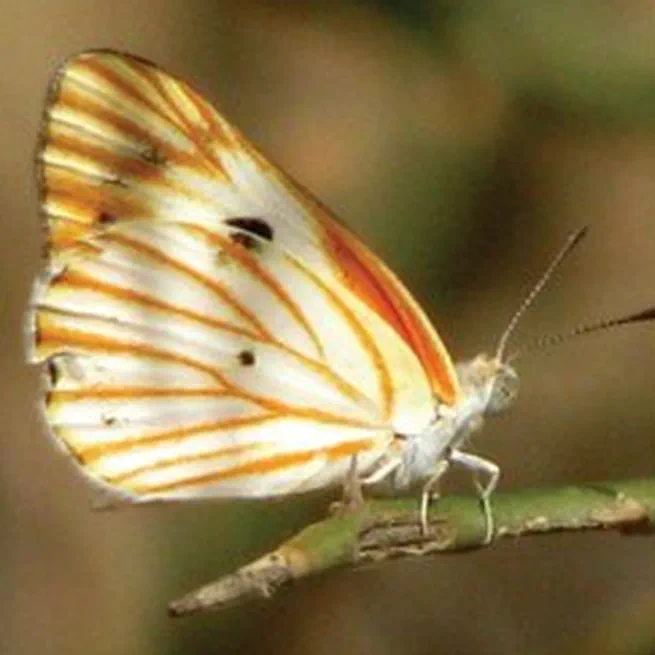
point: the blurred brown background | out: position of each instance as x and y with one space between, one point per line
463 141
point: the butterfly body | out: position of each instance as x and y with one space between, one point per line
488 387
209 329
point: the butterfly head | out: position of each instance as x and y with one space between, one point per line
489 385
504 388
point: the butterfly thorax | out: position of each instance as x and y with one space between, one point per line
488 386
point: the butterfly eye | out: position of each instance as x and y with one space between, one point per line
504 391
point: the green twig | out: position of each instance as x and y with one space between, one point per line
388 528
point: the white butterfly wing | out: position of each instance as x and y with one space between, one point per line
208 327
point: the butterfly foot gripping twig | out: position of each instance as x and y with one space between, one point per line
485 492
352 498
477 465
480 466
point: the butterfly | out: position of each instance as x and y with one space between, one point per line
207 328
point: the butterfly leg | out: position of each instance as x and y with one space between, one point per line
479 465
386 469
430 493
353 498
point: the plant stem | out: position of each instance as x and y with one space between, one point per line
388 528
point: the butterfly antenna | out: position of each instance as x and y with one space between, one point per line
550 340
573 240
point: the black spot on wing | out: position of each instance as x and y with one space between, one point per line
249 231
52 372
106 219
247 358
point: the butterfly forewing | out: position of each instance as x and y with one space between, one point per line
209 329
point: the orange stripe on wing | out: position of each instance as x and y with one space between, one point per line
251 264
131 393
260 466
68 194
224 294
52 340
221 132
67 234
90 454
327 374
75 280
172 436
79 149
122 479
367 342
204 136
373 283
108 74
106 67
89 112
